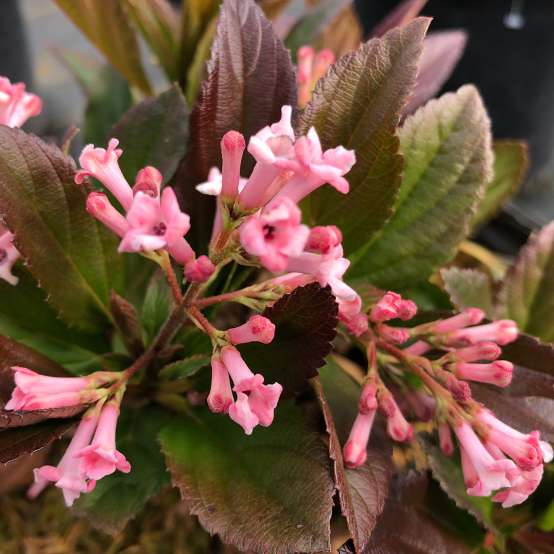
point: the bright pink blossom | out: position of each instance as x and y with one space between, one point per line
469 316
523 484
103 165
16 105
386 308
275 235
232 149
221 395
257 329
69 475
199 270
155 224
501 331
407 310
483 351
497 373
149 181
101 458
100 207
323 239
355 449
9 254
418 348
241 412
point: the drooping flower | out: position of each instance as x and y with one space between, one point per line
257 329
497 373
101 457
311 67
275 234
355 449
17 105
501 331
9 254
397 426
232 148
221 395
100 207
149 181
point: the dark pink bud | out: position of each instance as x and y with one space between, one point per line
257 329
199 270
386 308
460 390
323 239
368 399
397 335
406 310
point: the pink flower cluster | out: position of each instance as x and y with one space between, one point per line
92 453
153 220
16 107
255 402
495 457
311 67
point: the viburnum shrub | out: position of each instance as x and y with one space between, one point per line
249 305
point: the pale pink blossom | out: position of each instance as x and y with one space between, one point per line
101 457
9 254
232 149
103 165
497 373
469 316
221 396
418 348
483 351
311 67
355 449
199 270
501 331
257 329
16 105
241 413
323 239
397 426
524 483
149 181
275 235
155 224
100 207
69 475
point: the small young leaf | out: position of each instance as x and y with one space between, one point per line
403 14
358 105
159 24
306 322
119 497
249 68
511 161
468 288
447 148
61 243
26 440
527 295
107 26
182 369
270 492
127 320
154 132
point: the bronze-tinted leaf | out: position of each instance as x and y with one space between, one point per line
405 12
127 320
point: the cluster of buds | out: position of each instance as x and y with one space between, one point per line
91 454
311 67
446 354
16 107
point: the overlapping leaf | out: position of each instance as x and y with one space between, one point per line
250 77
306 323
60 242
270 492
528 295
405 12
358 105
447 148
468 288
106 25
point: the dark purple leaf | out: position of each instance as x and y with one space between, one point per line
441 52
10 419
250 77
405 12
26 440
306 322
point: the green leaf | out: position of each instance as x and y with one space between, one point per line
249 67
468 288
154 132
306 322
106 25
187 367
119 497
511 162
159 24
362 491
72 257
270 492
447 150
157 305
527 295
358 105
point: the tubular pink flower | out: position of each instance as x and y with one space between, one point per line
240 412
502 332
69 474
386 308
418 348
148 181
323 239
397 426
100 207
257 329
103 165
263 400
9 254
355 449
397 335
232 149
524 483
275 235
199 270
498 373
313 168
16 105
243 378
445 439
102 458
483 351
470 316
483 474
221 396
268 146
